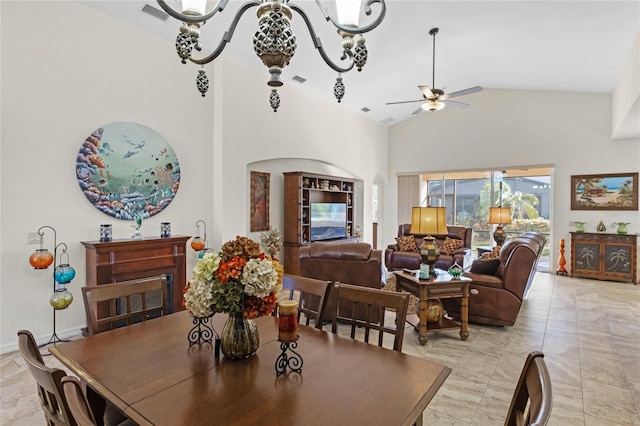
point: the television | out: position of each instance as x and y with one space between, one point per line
328 221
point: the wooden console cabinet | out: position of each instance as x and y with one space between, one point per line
122 260
610 257
300 190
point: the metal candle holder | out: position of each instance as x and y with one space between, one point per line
293 362
202 332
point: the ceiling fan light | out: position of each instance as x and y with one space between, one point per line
194 7
433 106
348 12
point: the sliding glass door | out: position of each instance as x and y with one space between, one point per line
467 197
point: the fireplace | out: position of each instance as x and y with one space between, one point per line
122 260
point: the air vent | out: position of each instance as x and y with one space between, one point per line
156 13
388 120
298 79
365 109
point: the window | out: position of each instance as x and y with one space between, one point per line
467 197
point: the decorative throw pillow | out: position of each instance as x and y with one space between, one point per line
486 267
407 243
450 245
493 254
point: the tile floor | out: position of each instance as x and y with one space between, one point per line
589 331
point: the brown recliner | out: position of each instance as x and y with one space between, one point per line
499 296
395 259
346 262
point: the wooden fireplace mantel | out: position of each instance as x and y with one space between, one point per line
121 260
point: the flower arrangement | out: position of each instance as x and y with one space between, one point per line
270 241
240 278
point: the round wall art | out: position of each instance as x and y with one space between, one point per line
127 170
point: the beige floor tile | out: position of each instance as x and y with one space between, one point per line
564 369
610 404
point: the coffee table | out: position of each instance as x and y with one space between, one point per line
442 286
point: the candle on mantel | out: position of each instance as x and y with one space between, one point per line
288 321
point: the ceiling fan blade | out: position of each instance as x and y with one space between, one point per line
464 92
426 92
456 104
418 111
404 102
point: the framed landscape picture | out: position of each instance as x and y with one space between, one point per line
613 191
259 202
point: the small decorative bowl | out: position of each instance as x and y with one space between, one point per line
455 271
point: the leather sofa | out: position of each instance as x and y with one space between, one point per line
496 299
395 259
346 262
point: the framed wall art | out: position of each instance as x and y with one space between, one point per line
259 202
127 170
613 191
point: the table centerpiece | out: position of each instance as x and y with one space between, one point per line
241 281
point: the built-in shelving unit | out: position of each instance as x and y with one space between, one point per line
301 190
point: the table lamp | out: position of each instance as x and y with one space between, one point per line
428 221
499 216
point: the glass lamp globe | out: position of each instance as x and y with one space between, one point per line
197 243
41 259
64 274
61 299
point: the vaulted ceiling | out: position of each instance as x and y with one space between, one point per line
575 46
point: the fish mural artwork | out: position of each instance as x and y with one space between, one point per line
126 169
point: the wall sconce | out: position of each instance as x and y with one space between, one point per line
427 221
62 275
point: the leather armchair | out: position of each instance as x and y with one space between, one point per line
346 262
496 299
395 259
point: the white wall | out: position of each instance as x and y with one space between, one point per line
82 70
508 129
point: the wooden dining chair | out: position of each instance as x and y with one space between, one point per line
315 289
77 401
50 394
532 399
366 302
81 410
110 306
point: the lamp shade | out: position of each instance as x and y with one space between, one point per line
499 215
194 7
429 220
348 12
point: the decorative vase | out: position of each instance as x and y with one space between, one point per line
579 226
601 228
239 339
435 310
622 228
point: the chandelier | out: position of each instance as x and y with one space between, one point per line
274 41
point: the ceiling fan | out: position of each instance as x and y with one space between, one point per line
435 99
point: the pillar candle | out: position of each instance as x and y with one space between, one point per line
288 321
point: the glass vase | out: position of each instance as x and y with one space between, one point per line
622 228
239 339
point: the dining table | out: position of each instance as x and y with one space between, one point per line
151 373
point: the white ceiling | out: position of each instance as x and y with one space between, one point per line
576 46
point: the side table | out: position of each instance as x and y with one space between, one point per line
442 286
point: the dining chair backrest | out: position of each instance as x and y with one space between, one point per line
309 290
110 306
374 302
77 401
48 379
532 399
